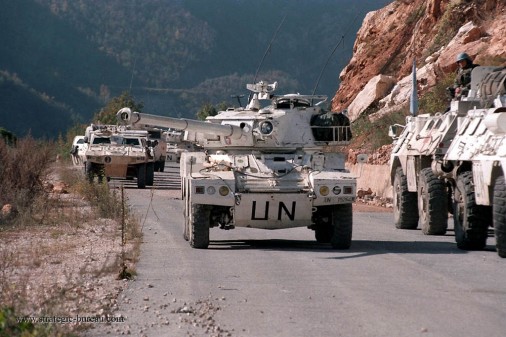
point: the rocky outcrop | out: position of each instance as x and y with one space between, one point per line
392 37
375 89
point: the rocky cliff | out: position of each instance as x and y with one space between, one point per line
377 79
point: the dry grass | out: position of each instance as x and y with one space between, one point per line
61 253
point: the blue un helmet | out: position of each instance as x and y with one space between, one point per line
463 56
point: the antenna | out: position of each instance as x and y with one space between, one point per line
268 48
238 99
132 77
332 53
413 99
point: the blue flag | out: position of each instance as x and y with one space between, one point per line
413 103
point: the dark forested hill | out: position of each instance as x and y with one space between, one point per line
61 60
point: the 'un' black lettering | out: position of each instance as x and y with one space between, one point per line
291 216
253 211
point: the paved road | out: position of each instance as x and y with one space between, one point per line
282 283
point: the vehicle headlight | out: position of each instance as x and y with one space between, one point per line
324 190
211 190
336 190
266 128
224 191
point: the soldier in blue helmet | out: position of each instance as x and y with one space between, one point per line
462 82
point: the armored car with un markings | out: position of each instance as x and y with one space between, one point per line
273 166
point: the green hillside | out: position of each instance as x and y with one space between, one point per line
70 57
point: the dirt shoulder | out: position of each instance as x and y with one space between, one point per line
66 265
360 206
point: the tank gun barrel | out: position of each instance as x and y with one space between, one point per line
126 116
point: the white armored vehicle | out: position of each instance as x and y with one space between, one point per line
115 152
268 167
452 162
480 147
78 150
177 143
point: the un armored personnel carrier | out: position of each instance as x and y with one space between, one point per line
479 147
115 152
267 167
452 162
177 143
78 151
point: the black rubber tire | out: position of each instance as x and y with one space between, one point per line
150 174
141 176
199 226
323 234
342 223
432 203
162 166
186 228
405 203
323 228
470 220
499 215
89 170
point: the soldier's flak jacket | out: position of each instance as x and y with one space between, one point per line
463 80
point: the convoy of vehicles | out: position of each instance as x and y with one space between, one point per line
246 167
454 162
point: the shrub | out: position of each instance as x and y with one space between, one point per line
437 98
376 133
24 167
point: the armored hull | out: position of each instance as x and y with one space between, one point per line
268 167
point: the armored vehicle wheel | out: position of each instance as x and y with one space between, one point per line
186 230
93 170
499 215
470 220
432 203
405 203
323 234
141 175
88 168
323 228
161 166
199 226
150 174
342 223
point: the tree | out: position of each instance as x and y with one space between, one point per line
206 110
8 137
210 110
107 115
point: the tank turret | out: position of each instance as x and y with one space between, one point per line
271 167
268 128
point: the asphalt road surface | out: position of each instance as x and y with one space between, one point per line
282 283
